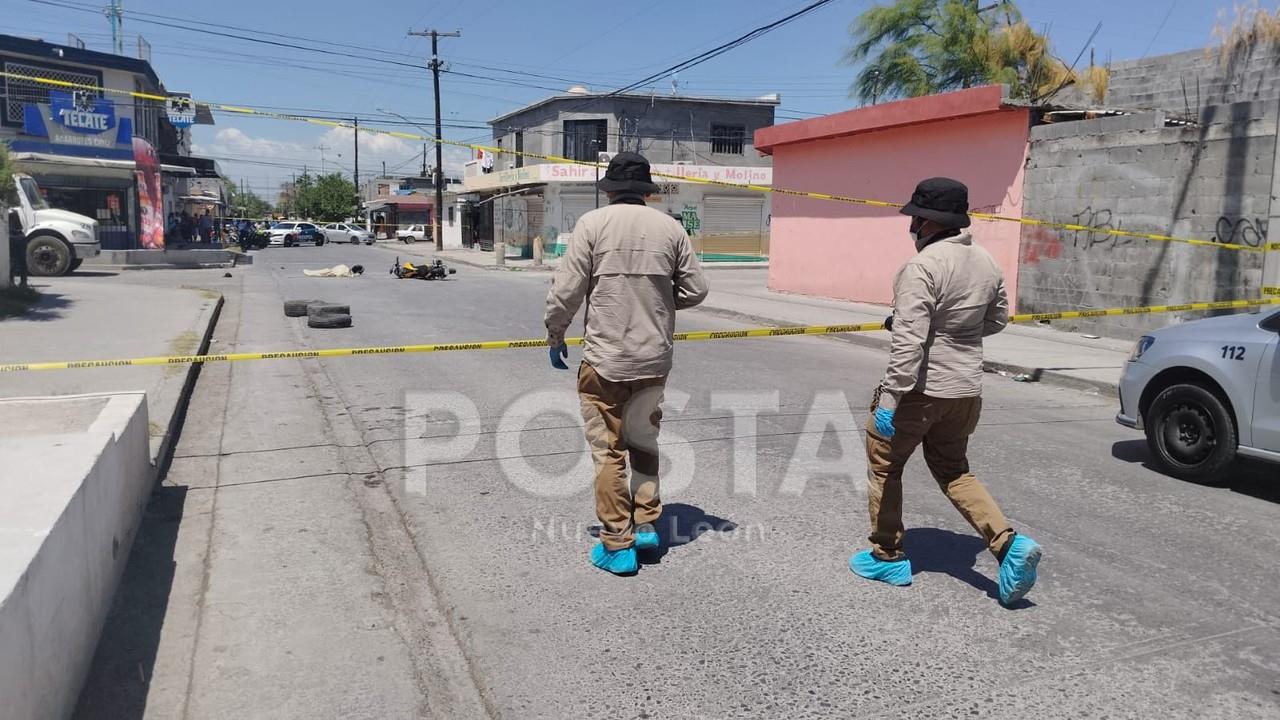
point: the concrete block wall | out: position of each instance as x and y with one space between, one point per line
1189 81
1211 182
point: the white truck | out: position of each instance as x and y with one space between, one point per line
57 241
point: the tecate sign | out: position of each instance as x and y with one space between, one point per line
82 114
80 120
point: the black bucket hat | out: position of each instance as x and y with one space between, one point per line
942 200
628 172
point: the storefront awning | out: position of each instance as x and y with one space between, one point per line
70 160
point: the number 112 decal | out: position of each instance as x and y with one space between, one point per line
1232 352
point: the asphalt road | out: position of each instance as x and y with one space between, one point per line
289 585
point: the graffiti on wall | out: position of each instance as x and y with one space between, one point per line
1100 222
1240 231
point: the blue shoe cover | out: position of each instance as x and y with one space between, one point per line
1018 569
894 572
618 562
646 537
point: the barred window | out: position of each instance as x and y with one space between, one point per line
728 139
20 92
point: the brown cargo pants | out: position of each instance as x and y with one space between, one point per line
622 420
943 425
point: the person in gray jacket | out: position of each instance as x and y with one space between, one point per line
946 299
634 266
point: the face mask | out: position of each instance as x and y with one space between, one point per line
916 224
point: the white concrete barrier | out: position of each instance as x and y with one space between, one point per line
75 473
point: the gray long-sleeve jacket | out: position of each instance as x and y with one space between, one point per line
635 267
945 300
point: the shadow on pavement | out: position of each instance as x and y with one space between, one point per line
681 524
120 674
49 307
1245 476
94 273
934 550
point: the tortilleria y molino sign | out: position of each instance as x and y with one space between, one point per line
80 119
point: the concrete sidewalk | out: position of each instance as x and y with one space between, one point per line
1029 353
101 316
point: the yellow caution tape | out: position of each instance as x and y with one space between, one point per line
680 336
1271 290
704 181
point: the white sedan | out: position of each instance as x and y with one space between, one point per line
413 233
1206 391
347 232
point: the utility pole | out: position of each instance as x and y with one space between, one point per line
115 16
355 173
424 159
439 173
321 147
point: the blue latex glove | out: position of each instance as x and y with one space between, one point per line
558 352
884 423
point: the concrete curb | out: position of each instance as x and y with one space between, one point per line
881 342
164 453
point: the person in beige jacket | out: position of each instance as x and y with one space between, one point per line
634 266
946 299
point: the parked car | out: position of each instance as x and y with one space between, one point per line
290 233
1206 391
346 232
413 233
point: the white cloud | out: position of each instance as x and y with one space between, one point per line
265 162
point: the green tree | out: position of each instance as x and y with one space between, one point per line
8 191
246 204
327 198
918 47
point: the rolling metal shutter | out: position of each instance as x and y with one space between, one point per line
733 214
574 206
734 225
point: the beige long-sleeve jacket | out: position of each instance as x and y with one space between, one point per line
945 300
635 267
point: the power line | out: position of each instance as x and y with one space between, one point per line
204 31
712 53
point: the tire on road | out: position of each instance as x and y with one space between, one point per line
324 308
329 320
355 239
298 308
48 256
75 265
1191 433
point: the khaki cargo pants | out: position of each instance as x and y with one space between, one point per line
943 426
622 420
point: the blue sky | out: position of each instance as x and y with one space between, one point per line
601 44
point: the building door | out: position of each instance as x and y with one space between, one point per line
734 225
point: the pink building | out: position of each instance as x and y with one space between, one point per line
841 250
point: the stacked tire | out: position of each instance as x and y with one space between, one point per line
319 314
328 315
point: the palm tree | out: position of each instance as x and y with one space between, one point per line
919 47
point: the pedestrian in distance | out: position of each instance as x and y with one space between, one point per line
946 299
206 227
633 266
186 226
